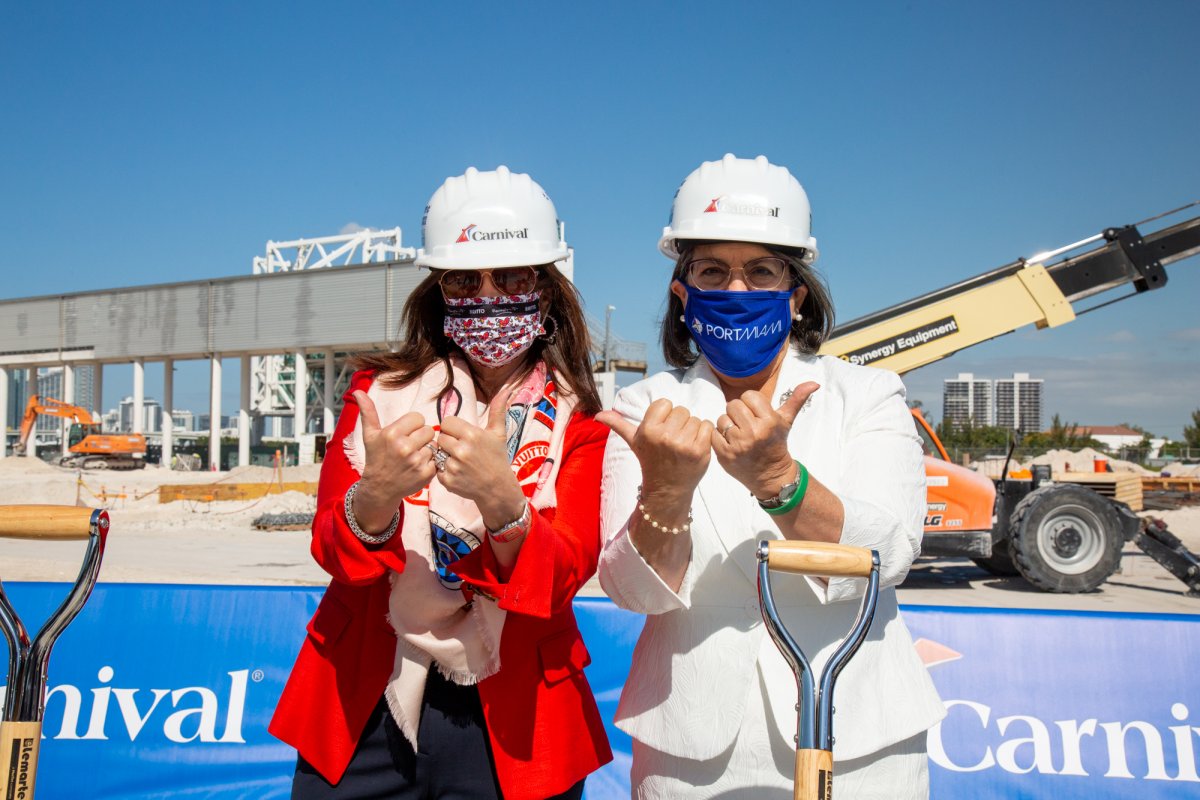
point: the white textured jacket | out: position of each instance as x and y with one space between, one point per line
694 667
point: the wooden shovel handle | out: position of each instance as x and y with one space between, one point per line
19 746
819 558
48 522
814 775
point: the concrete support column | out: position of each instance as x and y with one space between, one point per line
168 418
31 388
244 416
4 411
68 397
214 414
330 378
300 395
98 388
139 395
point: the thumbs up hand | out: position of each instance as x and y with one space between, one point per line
399 461
750 440
672 446
477 464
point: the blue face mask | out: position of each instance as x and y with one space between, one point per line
740 333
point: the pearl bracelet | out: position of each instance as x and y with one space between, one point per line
684 528
358 531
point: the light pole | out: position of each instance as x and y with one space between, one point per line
607 325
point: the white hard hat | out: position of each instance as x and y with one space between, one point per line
741 200
490 219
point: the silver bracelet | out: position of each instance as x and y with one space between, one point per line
359 532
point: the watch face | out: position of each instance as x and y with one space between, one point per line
784 495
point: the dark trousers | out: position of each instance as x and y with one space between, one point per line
454 761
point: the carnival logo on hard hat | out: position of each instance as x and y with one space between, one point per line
473 233
745 209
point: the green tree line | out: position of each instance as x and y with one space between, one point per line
1061 435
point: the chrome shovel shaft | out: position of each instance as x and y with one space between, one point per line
814 724
24 702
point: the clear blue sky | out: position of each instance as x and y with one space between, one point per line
150 142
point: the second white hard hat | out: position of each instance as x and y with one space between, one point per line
741 200
488 219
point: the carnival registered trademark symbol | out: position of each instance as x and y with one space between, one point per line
257 676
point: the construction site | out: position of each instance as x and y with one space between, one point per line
294 377
224 529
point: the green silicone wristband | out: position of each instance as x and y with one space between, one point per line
796 497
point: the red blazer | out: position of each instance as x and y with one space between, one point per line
545 730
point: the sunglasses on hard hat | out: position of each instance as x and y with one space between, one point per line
461 283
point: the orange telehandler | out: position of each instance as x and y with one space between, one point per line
87 446
1061 537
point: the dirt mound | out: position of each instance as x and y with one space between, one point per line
1084 461
20 465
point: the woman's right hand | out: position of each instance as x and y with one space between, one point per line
674 449
672 446
399 462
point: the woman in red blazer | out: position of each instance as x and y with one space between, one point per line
457 515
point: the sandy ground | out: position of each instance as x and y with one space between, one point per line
214 543
152 542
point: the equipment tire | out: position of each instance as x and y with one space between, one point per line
1065 538
1000 562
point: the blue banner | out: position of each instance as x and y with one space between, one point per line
166 692
1063 705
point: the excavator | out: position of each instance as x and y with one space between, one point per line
1060 536
87 446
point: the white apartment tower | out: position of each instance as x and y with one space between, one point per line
967 398
1018 403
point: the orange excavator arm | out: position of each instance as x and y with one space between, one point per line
49 407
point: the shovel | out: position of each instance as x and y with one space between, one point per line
814 729
25 700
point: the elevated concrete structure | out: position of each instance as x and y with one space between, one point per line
310 315
310 312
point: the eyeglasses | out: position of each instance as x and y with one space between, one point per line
461 283
710 274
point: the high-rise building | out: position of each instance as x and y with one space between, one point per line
18 396
1015 403
85 379
183 420
1019 403
50 384
967 398
151 415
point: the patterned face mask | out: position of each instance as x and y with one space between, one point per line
493 331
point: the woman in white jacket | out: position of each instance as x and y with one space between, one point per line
756 437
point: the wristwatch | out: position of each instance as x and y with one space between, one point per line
515 529
785 493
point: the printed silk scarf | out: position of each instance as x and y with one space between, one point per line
434 622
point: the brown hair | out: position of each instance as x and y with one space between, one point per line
565 348
807 334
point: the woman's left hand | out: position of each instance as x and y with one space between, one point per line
477 465
750 440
